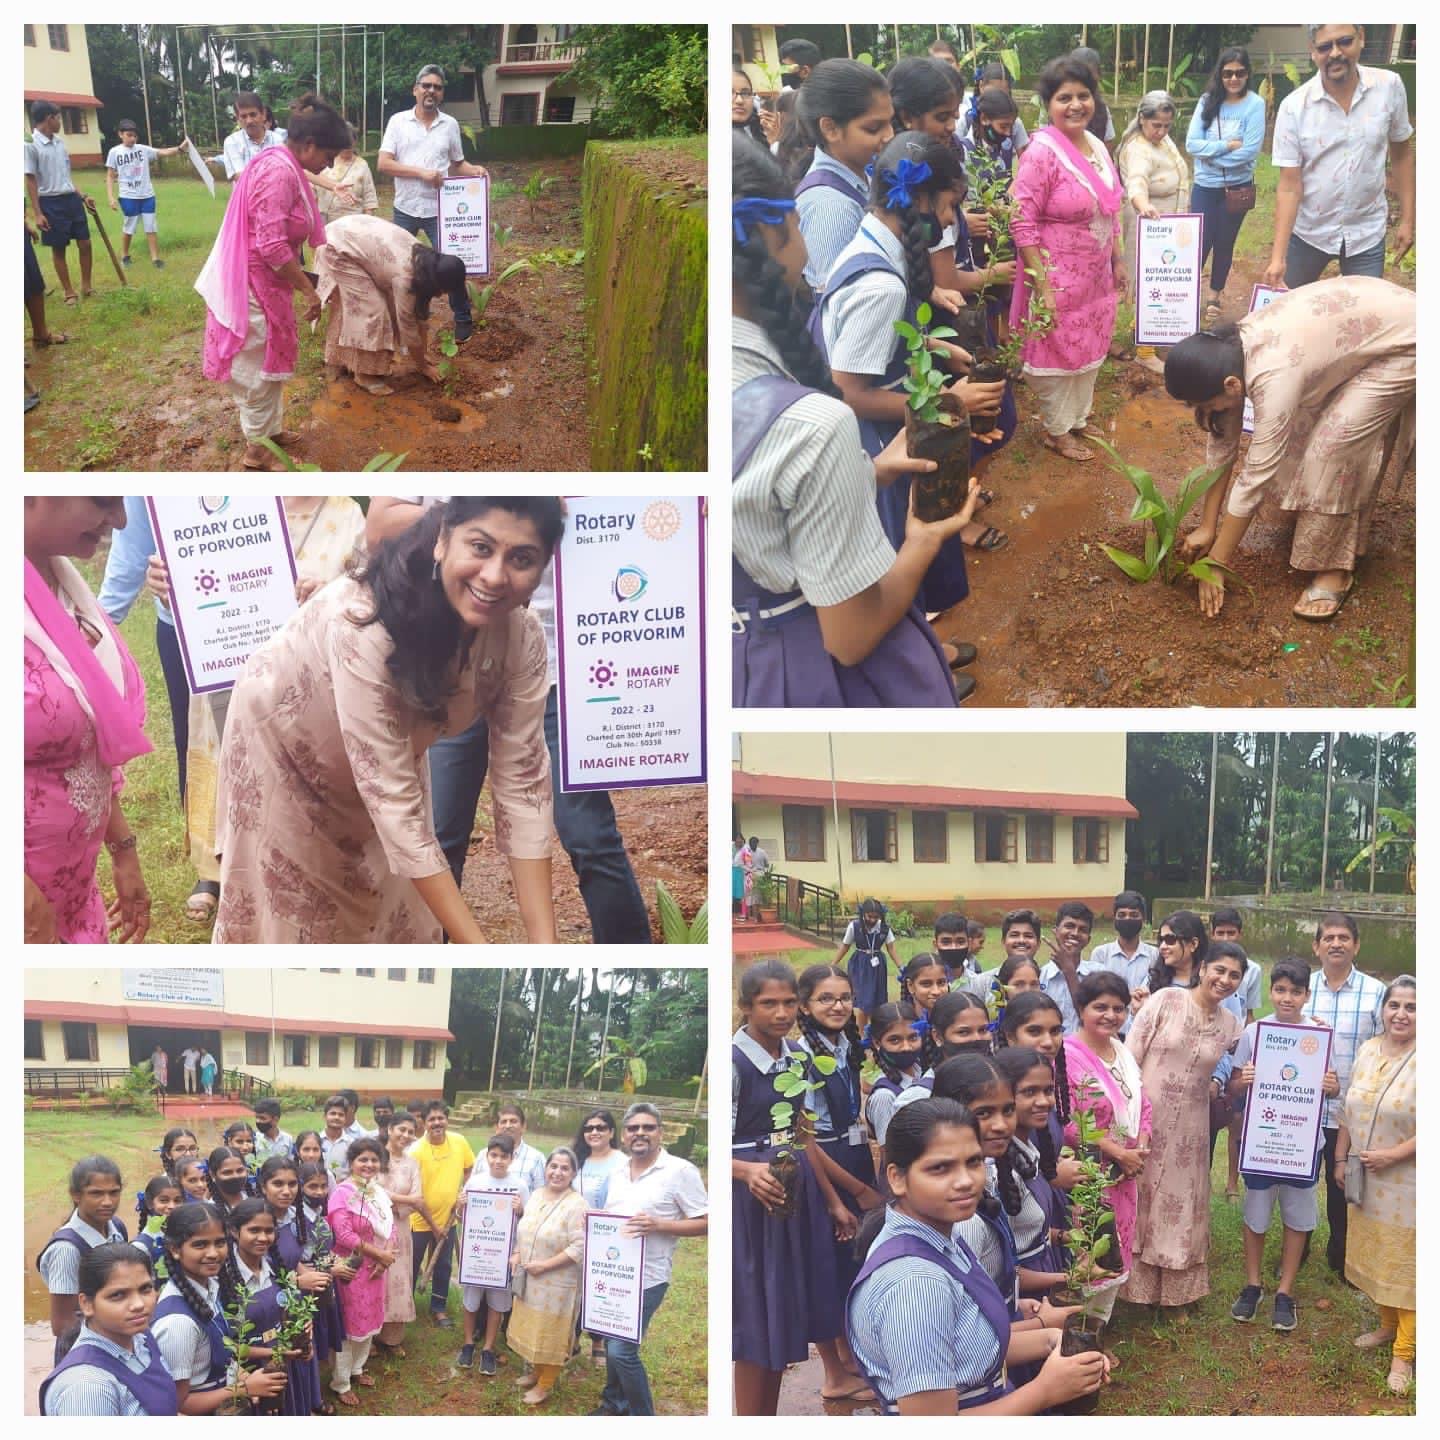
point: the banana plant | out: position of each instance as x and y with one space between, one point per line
1163 519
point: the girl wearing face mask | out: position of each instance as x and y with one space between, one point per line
431 633
279 1183
959 1025
882 277
84 718
895 1044
229 1178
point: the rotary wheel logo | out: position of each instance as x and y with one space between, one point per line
1289 1072
207 583
1309 1045
613 1253
602 674
661 520
630 582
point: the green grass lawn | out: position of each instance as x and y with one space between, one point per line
427 1381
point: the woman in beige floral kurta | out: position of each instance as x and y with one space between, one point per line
1178 1038
1378 1126
1330 368
325 827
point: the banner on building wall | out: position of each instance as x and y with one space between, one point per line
175 987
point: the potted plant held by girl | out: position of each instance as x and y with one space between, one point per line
791 1135
935 427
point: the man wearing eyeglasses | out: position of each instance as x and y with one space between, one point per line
421 147
1332 136
665 1199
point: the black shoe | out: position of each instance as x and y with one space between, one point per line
965 654
1246 1305
1284 1316
158 264
442 1319
964 687
464 329
466 1358
125 260
487 1362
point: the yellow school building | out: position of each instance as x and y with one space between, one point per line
377 1031
988 821
57 67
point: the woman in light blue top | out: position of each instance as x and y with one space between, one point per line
1226 132
599 1159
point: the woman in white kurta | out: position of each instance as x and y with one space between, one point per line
325 827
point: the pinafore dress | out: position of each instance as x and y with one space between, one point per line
866 967
153 1387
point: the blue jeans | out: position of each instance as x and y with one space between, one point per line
1304 264
424 1241
627 1386
459 297
1220 231
584 821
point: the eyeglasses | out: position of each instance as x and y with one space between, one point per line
594 1129
641 1129
1233 74
1168 939
431 86
834 1002
1324 47
742 94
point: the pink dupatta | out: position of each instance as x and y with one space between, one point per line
224 282
118 718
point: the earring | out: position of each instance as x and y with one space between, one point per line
435 571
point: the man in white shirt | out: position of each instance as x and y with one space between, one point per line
251 138
59 209
665 1199
1332 137
419 149
128 167
584 819
190 1058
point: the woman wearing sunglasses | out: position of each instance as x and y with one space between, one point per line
599 1159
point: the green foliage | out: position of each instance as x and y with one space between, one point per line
1164 519
292 1100
792 1085
651 79
1038 320
376 463
502 233
1092 1220
1398 834
673 925
299 1308
538 183
136 1092
924 379
562 257
480 296
633 1067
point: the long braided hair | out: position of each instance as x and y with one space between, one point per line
217 1157
183 1223
756 274
947 172
1015 1062
966 1078
885 1017
1017 1012
821 1041
914 968
232 1286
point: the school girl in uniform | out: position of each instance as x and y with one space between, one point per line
191 1176
842 122
95 1197
279 1183
190 1325
310 1149
240 1136
179 1144
923 981
786 1293
110 1362
869 935
823 610
959 1025
928 1326
229 1177
317 1250
896 1046
882 277
1033 1019
1040 1223
152 1208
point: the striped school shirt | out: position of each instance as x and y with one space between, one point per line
184 1343
1353 1014
803 511
60 1264
881 1106
914 1329
859 321
89 1390
828 219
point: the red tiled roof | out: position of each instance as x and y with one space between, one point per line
886 796
202 1018
62 97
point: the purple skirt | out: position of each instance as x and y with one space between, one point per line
854 1160
786 665
785 1292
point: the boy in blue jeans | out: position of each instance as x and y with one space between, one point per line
1299 1211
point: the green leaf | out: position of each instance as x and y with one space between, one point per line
790 1085
782 1113
1106 1218
1132 565
672 922
824 1064
1152 551
700 925
1144 509
942 332
1101 1248
923 312
907 332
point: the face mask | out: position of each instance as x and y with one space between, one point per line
231 1187
897 1059
1128 929
934 231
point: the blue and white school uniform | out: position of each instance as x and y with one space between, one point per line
193 1351
806 532
829 205
854 323
99 1377
923 1315
866 967
59 1262
884 1099
785 1290
1043 1209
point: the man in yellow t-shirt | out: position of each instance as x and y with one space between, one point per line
445 1163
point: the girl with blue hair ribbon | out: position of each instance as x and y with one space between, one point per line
824 609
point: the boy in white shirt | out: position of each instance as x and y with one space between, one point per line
529 1163
128 164
496 1175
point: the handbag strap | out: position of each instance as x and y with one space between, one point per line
1379 1099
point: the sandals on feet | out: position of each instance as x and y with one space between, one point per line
1314 593
349 1399
1402 1375
203 901
1068 449
989 539
55 337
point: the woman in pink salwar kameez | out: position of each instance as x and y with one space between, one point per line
1067 229
84 718
251 337
1104 1076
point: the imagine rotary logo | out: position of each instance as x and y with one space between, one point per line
214 504
1267 1114
1289 1072
630 583
207 583
603 674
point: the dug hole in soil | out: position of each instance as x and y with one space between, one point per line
516 401
664 831
1058 624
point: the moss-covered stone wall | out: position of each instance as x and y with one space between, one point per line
645 293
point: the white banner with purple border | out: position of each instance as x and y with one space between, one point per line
464 227
630 642
488 1239
1167 278
1286 1101
232 578
613 1278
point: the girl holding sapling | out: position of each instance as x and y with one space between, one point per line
786 1290
824 610
925 1322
